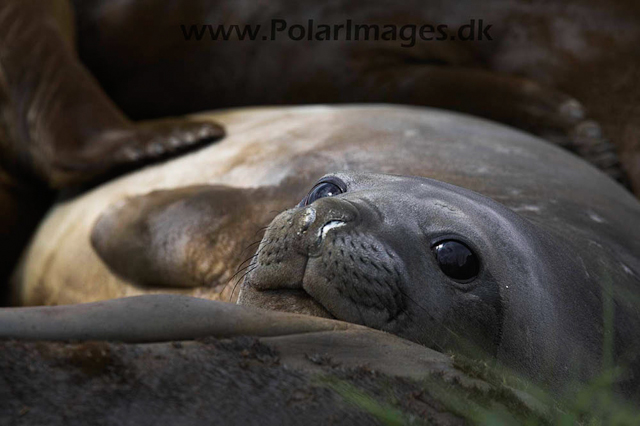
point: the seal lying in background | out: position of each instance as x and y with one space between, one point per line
547 67
543 244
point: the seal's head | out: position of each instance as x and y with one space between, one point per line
420 258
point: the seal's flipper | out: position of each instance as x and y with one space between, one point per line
157 318
113 151
184 237
61 127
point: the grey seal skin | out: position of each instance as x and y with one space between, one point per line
448 268
59 128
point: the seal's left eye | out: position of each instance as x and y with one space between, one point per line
321 190
456 260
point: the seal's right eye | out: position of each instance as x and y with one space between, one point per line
321 190
328 186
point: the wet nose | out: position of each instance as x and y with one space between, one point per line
313 222
307 218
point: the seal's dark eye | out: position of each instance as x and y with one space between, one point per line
456 260
321 190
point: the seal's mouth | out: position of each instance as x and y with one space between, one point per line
294 300
288 295
276 281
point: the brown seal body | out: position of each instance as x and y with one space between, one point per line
58 129
549 68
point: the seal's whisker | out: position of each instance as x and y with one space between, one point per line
250 257
248 247
417 304
245 261
262 229
244 275
239 271
239 281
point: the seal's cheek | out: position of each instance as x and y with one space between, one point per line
352 294
469 321
474 325
357 278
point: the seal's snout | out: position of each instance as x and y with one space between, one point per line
315 221
294 237
328 227
323 259
307 219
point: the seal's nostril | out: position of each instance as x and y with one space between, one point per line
308 217
329 226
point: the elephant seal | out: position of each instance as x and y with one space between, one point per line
451 269
552 238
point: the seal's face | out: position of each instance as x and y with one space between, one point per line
411 256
